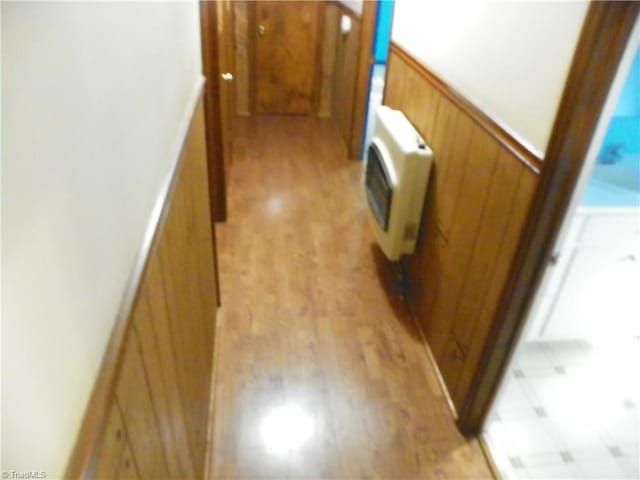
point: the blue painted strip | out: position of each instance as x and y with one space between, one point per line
383 31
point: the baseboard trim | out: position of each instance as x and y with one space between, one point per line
434 365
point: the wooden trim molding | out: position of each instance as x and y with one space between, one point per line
211 70
363 76
521 151
602 42
83 458
318 76
252 25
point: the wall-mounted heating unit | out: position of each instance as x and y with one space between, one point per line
398 164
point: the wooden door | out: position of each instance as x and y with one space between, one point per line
227 72
286 49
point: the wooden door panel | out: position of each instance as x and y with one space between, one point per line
286 54
137 407
127 469
112 446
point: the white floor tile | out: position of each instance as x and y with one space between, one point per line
553 472
514 414
601 469
513 395
629 466
530 437
587 408
531 355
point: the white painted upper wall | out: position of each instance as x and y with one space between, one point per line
93 97
509 58
354 5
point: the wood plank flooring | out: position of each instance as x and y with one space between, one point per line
320 370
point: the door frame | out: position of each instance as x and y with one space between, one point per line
602 43
363 76
213 114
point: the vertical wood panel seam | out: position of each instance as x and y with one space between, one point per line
505 226
475 244
491 277
145 366
484 309
466 155
116 405
444 125
174 356
136 338
165 378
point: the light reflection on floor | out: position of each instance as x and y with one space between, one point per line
285 429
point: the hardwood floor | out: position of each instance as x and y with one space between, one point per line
320 369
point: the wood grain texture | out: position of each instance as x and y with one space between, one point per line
150 410
345 74
480 192
186 263
152 325
485 321
312 322
114 443
241 44
286 56
244 23
329 45
127 468
138 413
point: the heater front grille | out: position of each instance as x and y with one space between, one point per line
378 187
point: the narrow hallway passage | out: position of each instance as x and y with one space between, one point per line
320 372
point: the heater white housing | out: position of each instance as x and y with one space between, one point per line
398 164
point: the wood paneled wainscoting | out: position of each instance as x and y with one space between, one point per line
480 192
149 412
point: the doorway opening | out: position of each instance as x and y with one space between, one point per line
568 404
377 72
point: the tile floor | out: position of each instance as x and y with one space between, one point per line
568 409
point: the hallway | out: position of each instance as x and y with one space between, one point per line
320 372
